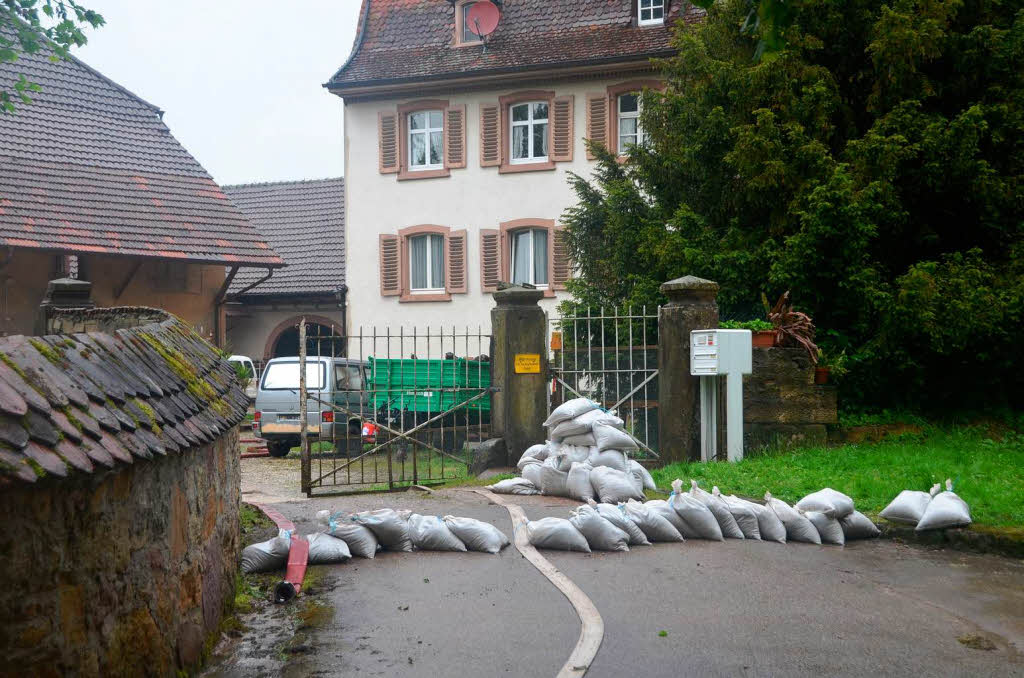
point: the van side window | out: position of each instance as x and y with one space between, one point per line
348 378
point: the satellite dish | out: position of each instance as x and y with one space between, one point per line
483 17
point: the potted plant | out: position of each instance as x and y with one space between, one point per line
794 328
762 333
829 366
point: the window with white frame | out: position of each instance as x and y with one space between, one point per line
651 12
467 28
529 137
426 263
631 133
426 140
530 256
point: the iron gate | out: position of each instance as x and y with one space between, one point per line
401 408
611 357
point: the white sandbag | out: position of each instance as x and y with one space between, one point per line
582 439
531 473
266 556
798 527
638 481
583 424
533 454
556 533
325 549
361 542
945 510
430 533
826 501
662 508
570 409
573 454
908 507
552 481
600 533
719 509
612 486
577 483
653 524
829 529
514 486
615 459
699 520
745 517
610 437
616 515
389 526
768 523
636 468
476 534
858 526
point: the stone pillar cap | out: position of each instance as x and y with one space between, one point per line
516 296
686 286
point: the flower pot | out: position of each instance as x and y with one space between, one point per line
821 375
765 338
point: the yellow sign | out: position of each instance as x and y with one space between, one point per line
527 363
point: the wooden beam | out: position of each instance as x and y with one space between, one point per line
119 289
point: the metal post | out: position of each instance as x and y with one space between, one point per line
303 415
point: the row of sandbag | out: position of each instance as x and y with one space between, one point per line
342 536
698 514
932 510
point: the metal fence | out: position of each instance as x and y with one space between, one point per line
611 357
405 407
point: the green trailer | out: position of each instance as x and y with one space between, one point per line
430 386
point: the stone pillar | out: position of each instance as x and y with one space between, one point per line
62 293
518 410
691 305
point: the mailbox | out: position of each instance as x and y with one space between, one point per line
716 353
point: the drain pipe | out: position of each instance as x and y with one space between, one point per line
298 555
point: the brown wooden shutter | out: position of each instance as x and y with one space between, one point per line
455 137
561 266
457 278
390 266
597 120
562 129
387 139
490 259
490 135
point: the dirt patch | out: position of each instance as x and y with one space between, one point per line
976 642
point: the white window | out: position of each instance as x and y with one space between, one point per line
426 140
631 133
529 132
652 12
426 263
467 29
530 257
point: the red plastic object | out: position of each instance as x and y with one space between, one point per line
298 555
327 415
483 17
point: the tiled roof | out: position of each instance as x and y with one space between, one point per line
86 402
304 221
90 167
403 40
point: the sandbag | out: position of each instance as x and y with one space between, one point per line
582 439
700 521
745 517
573 454
945 510
556 533
609 437
429 533
325 549
636 468
826 501
583 424
612 486
858 526
719 509
361 542
829 529
570 409
798 527
652 523
768 523
534 453
662 508
531 473
615 459
514 486
266 556
616 515
600 533
577 483
552 481
389 526
908 507
476 534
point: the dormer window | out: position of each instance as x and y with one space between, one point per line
464 34
651 12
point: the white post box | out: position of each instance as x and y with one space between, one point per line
712 354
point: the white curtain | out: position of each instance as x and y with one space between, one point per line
418 263
540 257
521 257
437 261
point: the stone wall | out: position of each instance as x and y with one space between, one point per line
120 574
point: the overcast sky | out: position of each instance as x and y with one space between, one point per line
239 80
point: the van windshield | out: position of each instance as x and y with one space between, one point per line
280 376
348 378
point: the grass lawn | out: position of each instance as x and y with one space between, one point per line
988 473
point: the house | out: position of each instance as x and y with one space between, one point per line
94 186
458 147
304 221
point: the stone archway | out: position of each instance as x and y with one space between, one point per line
286 336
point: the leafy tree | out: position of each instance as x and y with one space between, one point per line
873 164
31 26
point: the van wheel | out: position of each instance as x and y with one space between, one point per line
279 448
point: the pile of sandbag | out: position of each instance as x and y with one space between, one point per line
933 510
585 457
272 554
